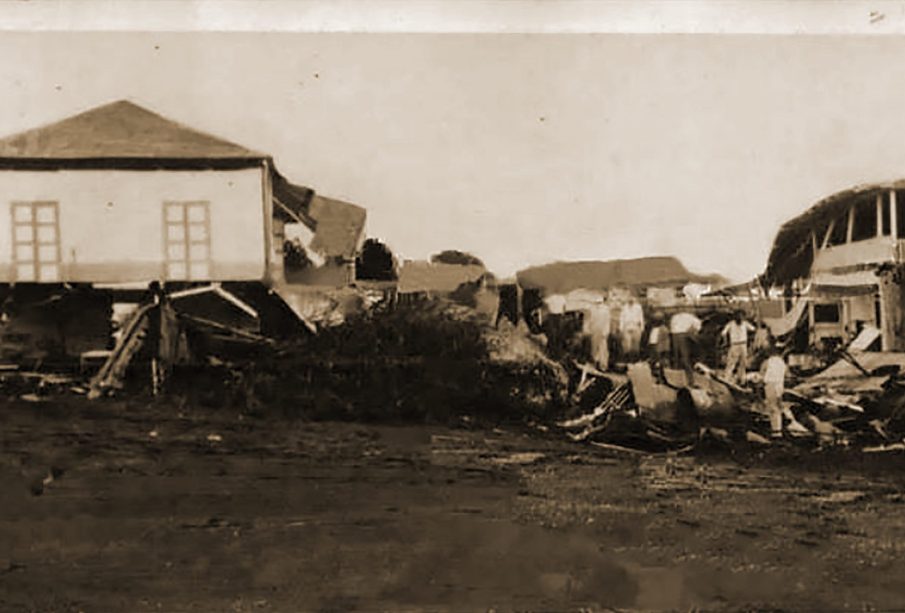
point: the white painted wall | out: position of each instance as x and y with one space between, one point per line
111 221
874 250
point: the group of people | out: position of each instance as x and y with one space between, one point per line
742 341
672 341
668 342
772 370
598 327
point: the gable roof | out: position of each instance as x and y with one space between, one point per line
419 276
123 134
563 277
120 130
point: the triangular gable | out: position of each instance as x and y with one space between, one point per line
119 130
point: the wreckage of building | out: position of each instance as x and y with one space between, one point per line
113 199
840 264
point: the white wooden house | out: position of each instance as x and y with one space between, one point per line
119 194
120 197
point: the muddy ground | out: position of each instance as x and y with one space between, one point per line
148 512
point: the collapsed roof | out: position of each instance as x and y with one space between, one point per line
792 254
338 226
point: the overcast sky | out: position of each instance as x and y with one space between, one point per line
519 148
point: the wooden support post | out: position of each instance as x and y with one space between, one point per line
155 376
884 314
156 313
880 214
850 216
890 310
519 296
893 216
826 235
812 337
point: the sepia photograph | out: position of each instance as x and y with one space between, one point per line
503 305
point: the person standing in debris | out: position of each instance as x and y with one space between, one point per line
631 325
658 343
736 334
509 305
683 328
773 372
597 327
554 324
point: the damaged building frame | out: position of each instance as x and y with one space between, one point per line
843 259
113 200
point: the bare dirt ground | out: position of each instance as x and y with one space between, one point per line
147 514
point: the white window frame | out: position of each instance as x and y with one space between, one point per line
34 242
179 214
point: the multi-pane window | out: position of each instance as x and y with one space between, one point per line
36 241
188 240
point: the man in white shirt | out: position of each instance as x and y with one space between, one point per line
555 303
631 325
773 371
554 325
683 328
736 333
597 327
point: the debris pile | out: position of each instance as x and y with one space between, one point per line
515 350
433 361
439 360
857 402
